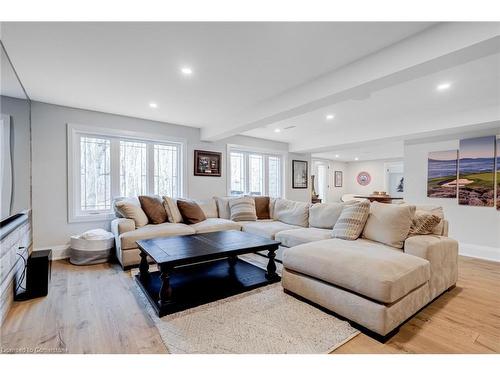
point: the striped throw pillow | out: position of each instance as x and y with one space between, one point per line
352 220
243 209
423 223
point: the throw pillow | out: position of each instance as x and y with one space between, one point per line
262 207
132 211
153 208
389 223
190 211
423 223
173 213
434 210
243 209
351 221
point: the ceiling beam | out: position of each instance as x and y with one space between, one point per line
435 49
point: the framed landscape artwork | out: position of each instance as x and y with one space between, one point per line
207 163
299 174
476 184
498 173
338 179
442 169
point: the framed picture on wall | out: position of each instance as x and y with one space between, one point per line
338 178
299 174
207 163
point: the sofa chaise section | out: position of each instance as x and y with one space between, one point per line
375 285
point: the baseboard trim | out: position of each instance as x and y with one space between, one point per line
481 252
58 252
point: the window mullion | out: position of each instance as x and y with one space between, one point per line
247 173
150 168
265 175
115 167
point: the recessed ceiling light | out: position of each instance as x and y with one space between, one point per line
186 71
337 155
153 105
330 117
277 130
356 158
443 86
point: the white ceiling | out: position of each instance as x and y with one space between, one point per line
121 67
378 79
401 110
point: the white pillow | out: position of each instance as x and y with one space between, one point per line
129 210
173 213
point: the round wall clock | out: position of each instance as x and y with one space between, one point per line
363 178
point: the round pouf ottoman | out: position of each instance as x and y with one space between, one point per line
91 247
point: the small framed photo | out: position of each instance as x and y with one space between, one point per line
338 178
299 174
207 163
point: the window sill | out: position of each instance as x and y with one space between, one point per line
92 218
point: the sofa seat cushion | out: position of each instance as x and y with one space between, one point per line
215 225
294 237
373 270
149 231
266 228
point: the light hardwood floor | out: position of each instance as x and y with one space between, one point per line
96 309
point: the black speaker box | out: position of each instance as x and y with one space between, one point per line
37 274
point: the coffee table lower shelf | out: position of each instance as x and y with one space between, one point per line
202 283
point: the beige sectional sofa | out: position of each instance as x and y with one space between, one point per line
370 283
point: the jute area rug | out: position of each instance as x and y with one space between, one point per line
261 321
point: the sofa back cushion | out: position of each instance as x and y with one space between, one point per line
291 212
209 207
351 221
389 223
262 207
153 208
324 215
131 209
223 209
191 212
243 209
173 213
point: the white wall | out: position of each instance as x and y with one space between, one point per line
49 130
334 193
476 228
376 170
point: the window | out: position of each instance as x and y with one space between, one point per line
112 164
132 168
254 173
95 174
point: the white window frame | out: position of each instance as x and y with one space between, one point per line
258 151
76 131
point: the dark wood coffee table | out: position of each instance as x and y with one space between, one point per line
202 268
